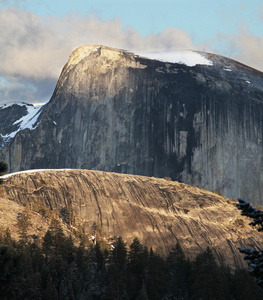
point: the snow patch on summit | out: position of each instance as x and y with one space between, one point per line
186 57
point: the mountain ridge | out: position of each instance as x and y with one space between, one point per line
119 112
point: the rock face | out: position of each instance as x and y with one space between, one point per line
115 111
159 212
9 115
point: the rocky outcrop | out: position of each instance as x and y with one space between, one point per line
115 111
157 211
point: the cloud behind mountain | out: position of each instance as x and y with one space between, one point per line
35 48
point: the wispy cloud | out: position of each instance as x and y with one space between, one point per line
34 50
244 47
249 49
30 48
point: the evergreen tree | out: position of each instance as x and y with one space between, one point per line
179 270
136 268
57 236
251 212
29 272
29 284
253 256
208 283
119 254
243 286
23 223
96 271
81 285
156 277
9 270
48 244
69 251
137 257
116 274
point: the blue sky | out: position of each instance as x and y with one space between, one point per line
37 37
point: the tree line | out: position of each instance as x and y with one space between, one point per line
57 268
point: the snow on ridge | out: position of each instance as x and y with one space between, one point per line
27 121
8 104
20 103
31 171
186 57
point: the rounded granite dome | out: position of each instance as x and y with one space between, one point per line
112 110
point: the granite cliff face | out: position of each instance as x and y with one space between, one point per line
115 111
159 212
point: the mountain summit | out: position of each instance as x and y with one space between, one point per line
195 117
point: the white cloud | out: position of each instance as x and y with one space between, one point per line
34 50
37 49
29 47
250 49
244 47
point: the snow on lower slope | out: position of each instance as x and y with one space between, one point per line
186 57
32 171
28 121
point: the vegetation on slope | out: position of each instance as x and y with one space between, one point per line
55 268
157 211
66 264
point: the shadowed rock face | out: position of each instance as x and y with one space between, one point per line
8 117
114 111
159 212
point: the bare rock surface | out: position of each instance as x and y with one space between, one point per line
9 214
116 111
157 211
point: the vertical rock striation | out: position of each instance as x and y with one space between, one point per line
115 111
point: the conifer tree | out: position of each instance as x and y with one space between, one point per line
57 234
116 279
207 277
251 212
119 254
23 223
156 277
48 244
68 252
244 286
255 257
179 269
9 267
136 267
